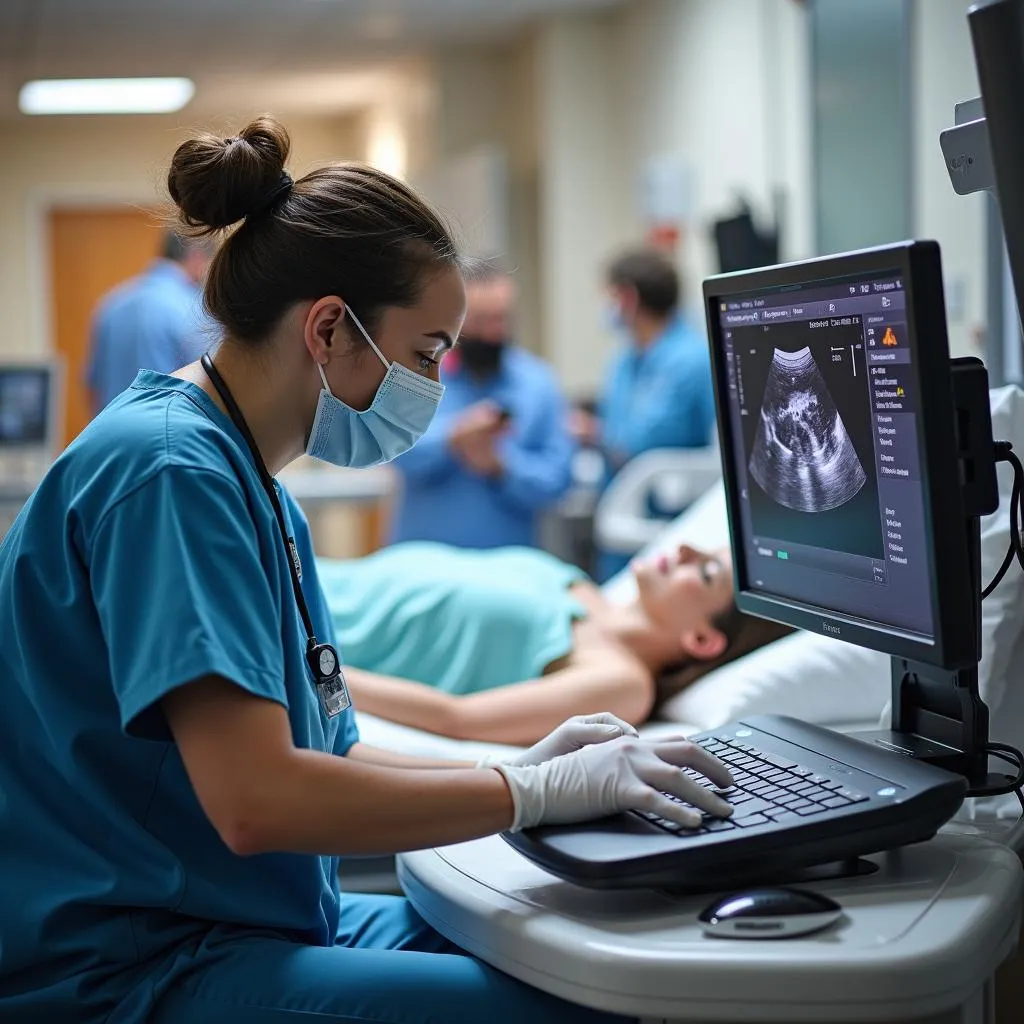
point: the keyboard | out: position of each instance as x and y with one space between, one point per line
767 788
803 796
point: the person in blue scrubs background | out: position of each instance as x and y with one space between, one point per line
657 392
154 321
181 768
499 451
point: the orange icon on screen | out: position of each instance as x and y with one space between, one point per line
889 338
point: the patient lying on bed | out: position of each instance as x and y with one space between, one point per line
503 645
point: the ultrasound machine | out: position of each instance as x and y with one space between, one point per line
857 460
30 425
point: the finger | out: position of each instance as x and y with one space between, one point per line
653 801
676 783
583 734
683 753
607 718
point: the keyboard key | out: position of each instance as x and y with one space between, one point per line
818 780
852 795
801 771
750 807
719 825
670 826
788 801
835 801
803 787
774 793
754 819
809 809
784 817
778 760
799 805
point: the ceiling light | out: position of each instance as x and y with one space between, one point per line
105 96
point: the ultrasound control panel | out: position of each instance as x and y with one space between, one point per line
819 389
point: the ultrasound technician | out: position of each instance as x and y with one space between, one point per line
180 767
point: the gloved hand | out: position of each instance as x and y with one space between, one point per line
573 733
623 774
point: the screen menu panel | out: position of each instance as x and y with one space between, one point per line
826 449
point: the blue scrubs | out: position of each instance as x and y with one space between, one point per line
659 396
154 322
443 501
149 557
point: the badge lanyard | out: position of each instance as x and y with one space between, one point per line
322 659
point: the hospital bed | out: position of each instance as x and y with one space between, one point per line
815 678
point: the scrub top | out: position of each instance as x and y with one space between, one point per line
658 397
149 556
443 501
458 620
154 321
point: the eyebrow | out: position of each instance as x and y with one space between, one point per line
442 336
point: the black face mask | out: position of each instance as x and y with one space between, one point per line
481 358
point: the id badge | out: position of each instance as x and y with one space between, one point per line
333 694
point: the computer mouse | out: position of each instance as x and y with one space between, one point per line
769 913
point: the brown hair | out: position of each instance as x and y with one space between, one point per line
346 229
653 277
743 634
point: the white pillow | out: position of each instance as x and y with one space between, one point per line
827 681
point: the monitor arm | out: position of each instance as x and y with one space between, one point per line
938 714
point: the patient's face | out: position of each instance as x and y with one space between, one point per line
684 589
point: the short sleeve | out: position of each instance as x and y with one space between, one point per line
181 593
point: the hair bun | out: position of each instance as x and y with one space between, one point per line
216 182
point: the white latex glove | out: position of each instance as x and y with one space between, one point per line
573 733
624 774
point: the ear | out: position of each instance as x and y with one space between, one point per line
323 320
703 644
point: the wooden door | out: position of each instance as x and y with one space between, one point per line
91 250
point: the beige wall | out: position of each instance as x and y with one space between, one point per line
73 160
718 88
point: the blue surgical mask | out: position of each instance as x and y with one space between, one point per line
397 418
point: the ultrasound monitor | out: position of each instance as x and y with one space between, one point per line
834 390
26 405
857 460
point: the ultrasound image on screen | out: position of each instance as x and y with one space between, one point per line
803 457
807 437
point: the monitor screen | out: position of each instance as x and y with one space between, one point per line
25 396
824 448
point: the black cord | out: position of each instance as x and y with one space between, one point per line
1004 453
1013 757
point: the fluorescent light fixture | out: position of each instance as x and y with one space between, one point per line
105 95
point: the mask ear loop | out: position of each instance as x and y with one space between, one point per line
369 340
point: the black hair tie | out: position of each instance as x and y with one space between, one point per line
283 186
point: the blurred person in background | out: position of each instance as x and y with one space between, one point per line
657 391
154 321
499 451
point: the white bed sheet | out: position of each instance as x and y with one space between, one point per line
379 732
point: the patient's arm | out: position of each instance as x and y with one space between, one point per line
520 713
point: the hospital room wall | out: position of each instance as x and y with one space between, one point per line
943 74
582 104
717 89
83 161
